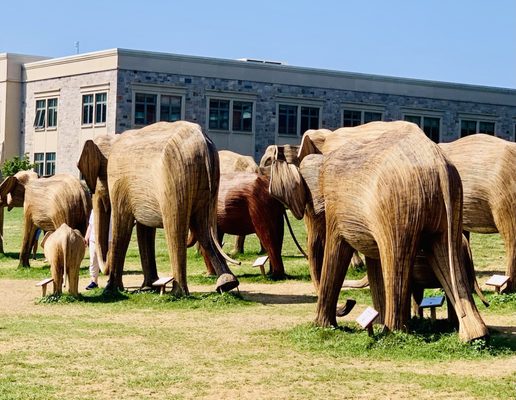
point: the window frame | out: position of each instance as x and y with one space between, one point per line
478 119
158 91
362 109
299 104
47 114
45 163
422 114
231 98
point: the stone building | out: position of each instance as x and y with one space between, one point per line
49 107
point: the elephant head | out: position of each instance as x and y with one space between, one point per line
12 189
93 163
289 152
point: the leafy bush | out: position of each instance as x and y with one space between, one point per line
15 164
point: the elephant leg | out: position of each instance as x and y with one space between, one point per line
337 255
122 229
471 325
146 244
417 297
377 287
200 225
315 248
356 261
397 260
452 315
73 280
510 270
56 270
270 233
29 233
239 244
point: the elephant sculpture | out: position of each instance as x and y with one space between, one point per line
64 249
166 175
14 199
245 207
485 164
234 162
385 190
50 202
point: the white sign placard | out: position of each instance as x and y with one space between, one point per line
367 317
497 280
436 301
260 261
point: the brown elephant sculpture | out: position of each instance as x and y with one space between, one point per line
64 249
48 203
14 199
245 206
166 175
385 191
234 162
485 164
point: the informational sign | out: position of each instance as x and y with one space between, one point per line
497 280
260 261
367 317
435 301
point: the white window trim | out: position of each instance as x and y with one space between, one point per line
231 98
158 91
46 95
94 93
289 101
478 118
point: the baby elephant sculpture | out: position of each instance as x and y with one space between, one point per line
64 250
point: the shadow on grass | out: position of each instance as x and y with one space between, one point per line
10 255
97 296
266 298
484 273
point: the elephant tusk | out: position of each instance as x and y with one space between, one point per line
292 234
222 253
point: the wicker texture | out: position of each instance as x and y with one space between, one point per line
384 189
485 164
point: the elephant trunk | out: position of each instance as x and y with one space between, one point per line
102 222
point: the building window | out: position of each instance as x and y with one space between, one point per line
94 107
87 109
170 108
224 114
471 126
145 108
46 113
243 116
295 120
100 108
45 164
219 115
39 163
152 107
430 125
351 117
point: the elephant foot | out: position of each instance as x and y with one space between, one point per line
226 282
21 266
346 308
279 276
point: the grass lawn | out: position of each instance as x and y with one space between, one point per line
257 344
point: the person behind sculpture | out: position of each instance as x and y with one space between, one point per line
89 240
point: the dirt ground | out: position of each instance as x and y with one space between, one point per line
271 375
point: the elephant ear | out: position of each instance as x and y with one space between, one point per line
286 185
6 187
89 164
307 147
310 170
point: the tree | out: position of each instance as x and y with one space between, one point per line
15 164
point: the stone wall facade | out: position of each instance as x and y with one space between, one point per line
196 89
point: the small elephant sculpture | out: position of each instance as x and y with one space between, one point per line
385 190
48 203
64 249
486 167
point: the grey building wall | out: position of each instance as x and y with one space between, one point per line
268 95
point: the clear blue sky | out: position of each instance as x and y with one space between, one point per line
466 41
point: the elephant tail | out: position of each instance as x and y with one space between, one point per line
449 177
293 235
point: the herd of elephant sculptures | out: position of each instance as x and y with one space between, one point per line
383 189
